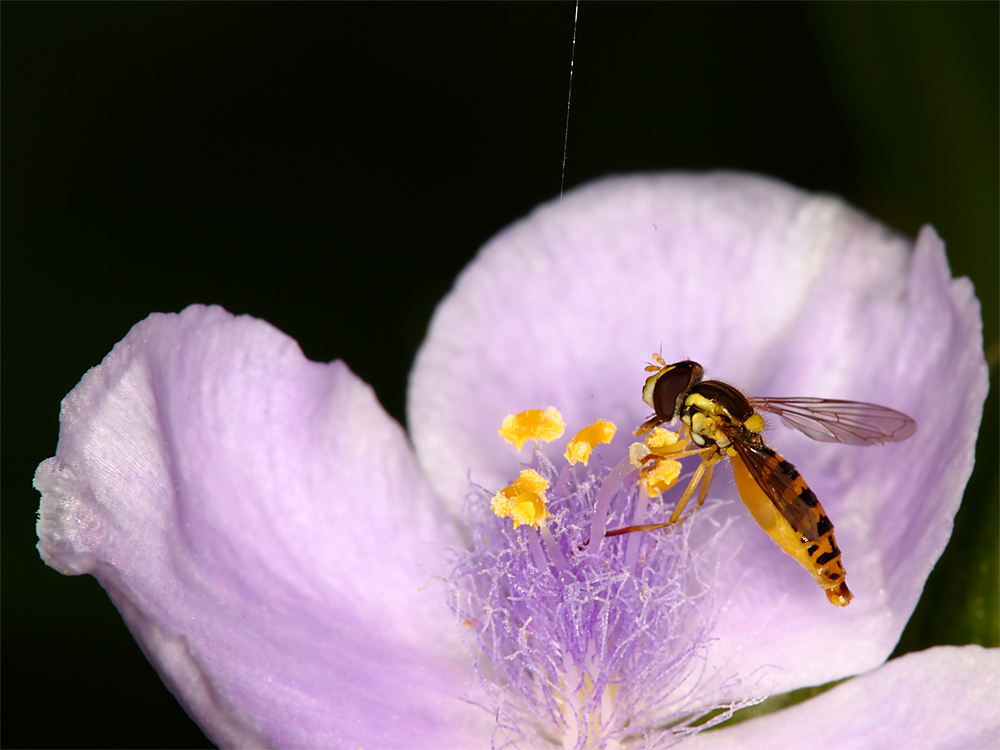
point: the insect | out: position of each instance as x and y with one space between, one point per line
723 423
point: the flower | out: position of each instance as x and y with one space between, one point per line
300 577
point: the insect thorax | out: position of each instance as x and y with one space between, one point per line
713 411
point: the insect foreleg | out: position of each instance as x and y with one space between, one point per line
706 482
695 480
702 475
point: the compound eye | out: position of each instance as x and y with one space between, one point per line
665 391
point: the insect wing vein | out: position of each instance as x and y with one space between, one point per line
779 486
833 421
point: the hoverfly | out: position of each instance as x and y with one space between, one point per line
723 423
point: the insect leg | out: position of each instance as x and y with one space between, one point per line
709 470
698 474
704 470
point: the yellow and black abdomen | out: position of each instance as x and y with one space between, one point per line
784 506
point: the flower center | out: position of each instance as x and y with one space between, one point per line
590 640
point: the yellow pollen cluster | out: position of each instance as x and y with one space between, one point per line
661 476
661 438
579 448
659 472
533 424
523 501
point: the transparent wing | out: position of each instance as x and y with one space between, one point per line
832 421
782 484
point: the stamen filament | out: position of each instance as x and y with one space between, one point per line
638 517
556 555
613 482
536 551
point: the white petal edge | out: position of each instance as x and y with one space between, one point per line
945 697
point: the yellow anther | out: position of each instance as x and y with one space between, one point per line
661 438
579 448
660 476
523 501
638 453
658 472
534 424
659 443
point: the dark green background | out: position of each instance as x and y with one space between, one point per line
330 168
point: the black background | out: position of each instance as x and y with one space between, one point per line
330 168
